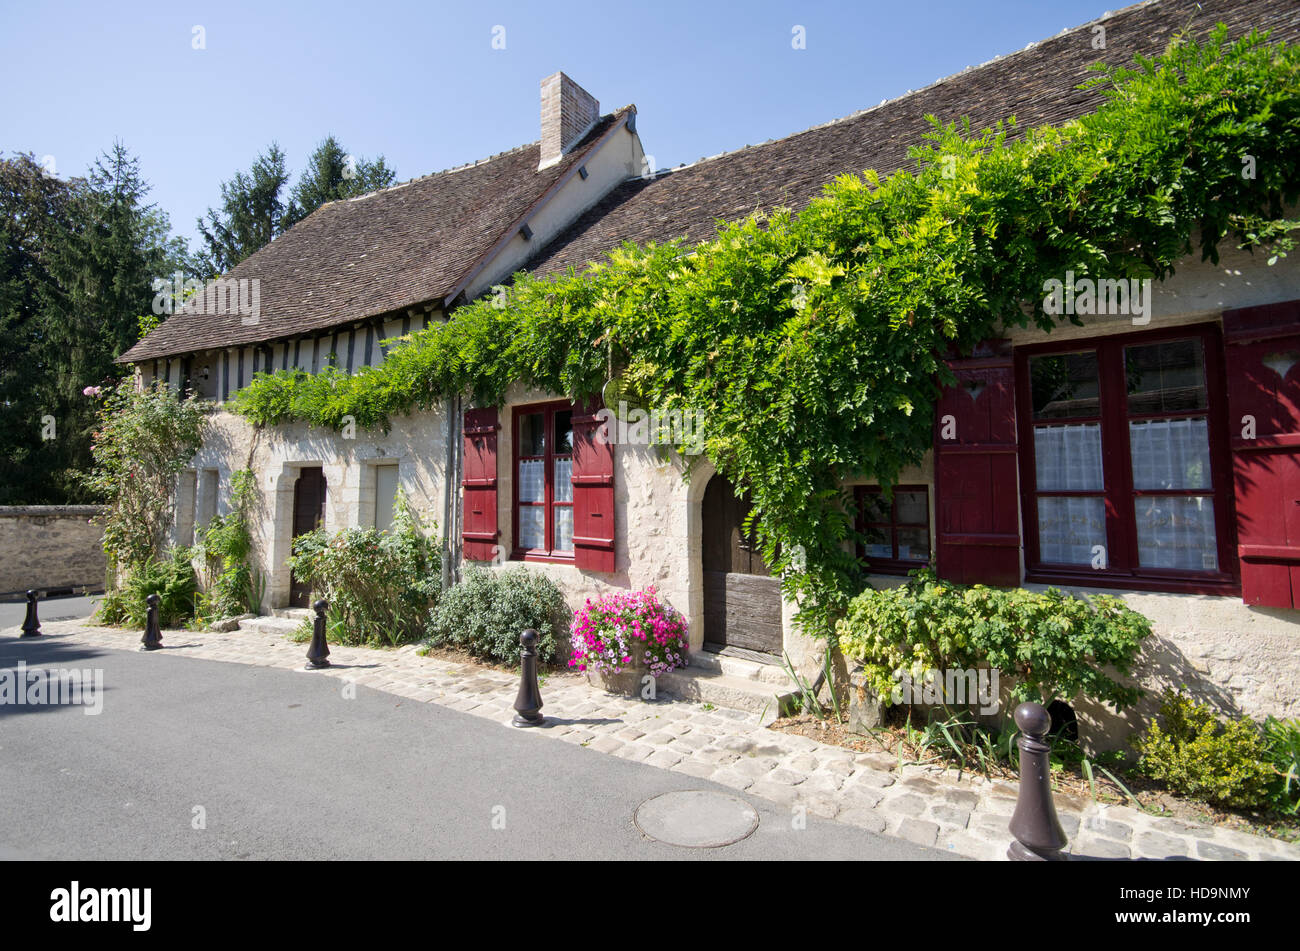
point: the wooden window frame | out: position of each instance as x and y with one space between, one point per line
1122 569
547 554
894 565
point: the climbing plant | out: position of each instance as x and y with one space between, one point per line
144 438
813 343
234 584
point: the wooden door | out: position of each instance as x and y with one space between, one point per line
742 602
308 514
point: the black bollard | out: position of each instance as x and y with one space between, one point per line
1038 833
318 653
31 623
152 639
528 704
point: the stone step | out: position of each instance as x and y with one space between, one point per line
270 624
293 614
723 690
742 668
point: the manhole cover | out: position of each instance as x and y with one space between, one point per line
696 819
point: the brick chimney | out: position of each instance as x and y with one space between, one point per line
568 111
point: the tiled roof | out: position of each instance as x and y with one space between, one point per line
1037 85
377 253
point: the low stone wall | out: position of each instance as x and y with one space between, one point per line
50 548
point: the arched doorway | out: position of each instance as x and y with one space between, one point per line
742 601
308 514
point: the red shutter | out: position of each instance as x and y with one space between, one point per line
1259 342
593 492
977 498
479 533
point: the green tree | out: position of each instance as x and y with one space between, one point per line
252 214
332 174
34 213
77 264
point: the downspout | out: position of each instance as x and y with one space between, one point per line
451 497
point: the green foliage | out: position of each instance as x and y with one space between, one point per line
379 584
253 209
1282 743
226 546
488 610
812 344
332 174
145 438
252 214
1054 645
171 578
1196 754
77 257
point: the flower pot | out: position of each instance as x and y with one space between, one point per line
627 682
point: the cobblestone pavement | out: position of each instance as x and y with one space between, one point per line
968 816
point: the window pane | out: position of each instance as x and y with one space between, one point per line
1069 528
912 508
564 431
532 527
532 480
1176 532
564 529
1064 386
913 544
1165 377
1068 458
1170 453
878 543
385 492
874 508
532 438
563 480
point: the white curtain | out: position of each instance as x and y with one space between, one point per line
532 480
1069 529
532 526
1068 458
1170 453
563 480
1176 532
563 528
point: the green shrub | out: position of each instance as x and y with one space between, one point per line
1054 645
488 610
1282 741
226 547
172 579
379 584
1196 754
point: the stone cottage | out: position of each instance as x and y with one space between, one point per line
1107 457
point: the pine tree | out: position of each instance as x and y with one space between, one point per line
77 264
252 214
333 174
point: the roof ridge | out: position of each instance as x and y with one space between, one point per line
911 92
467 165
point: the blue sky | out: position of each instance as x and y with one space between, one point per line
421 84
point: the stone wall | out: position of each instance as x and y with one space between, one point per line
50 548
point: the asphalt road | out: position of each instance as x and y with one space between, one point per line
53 609
283 766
